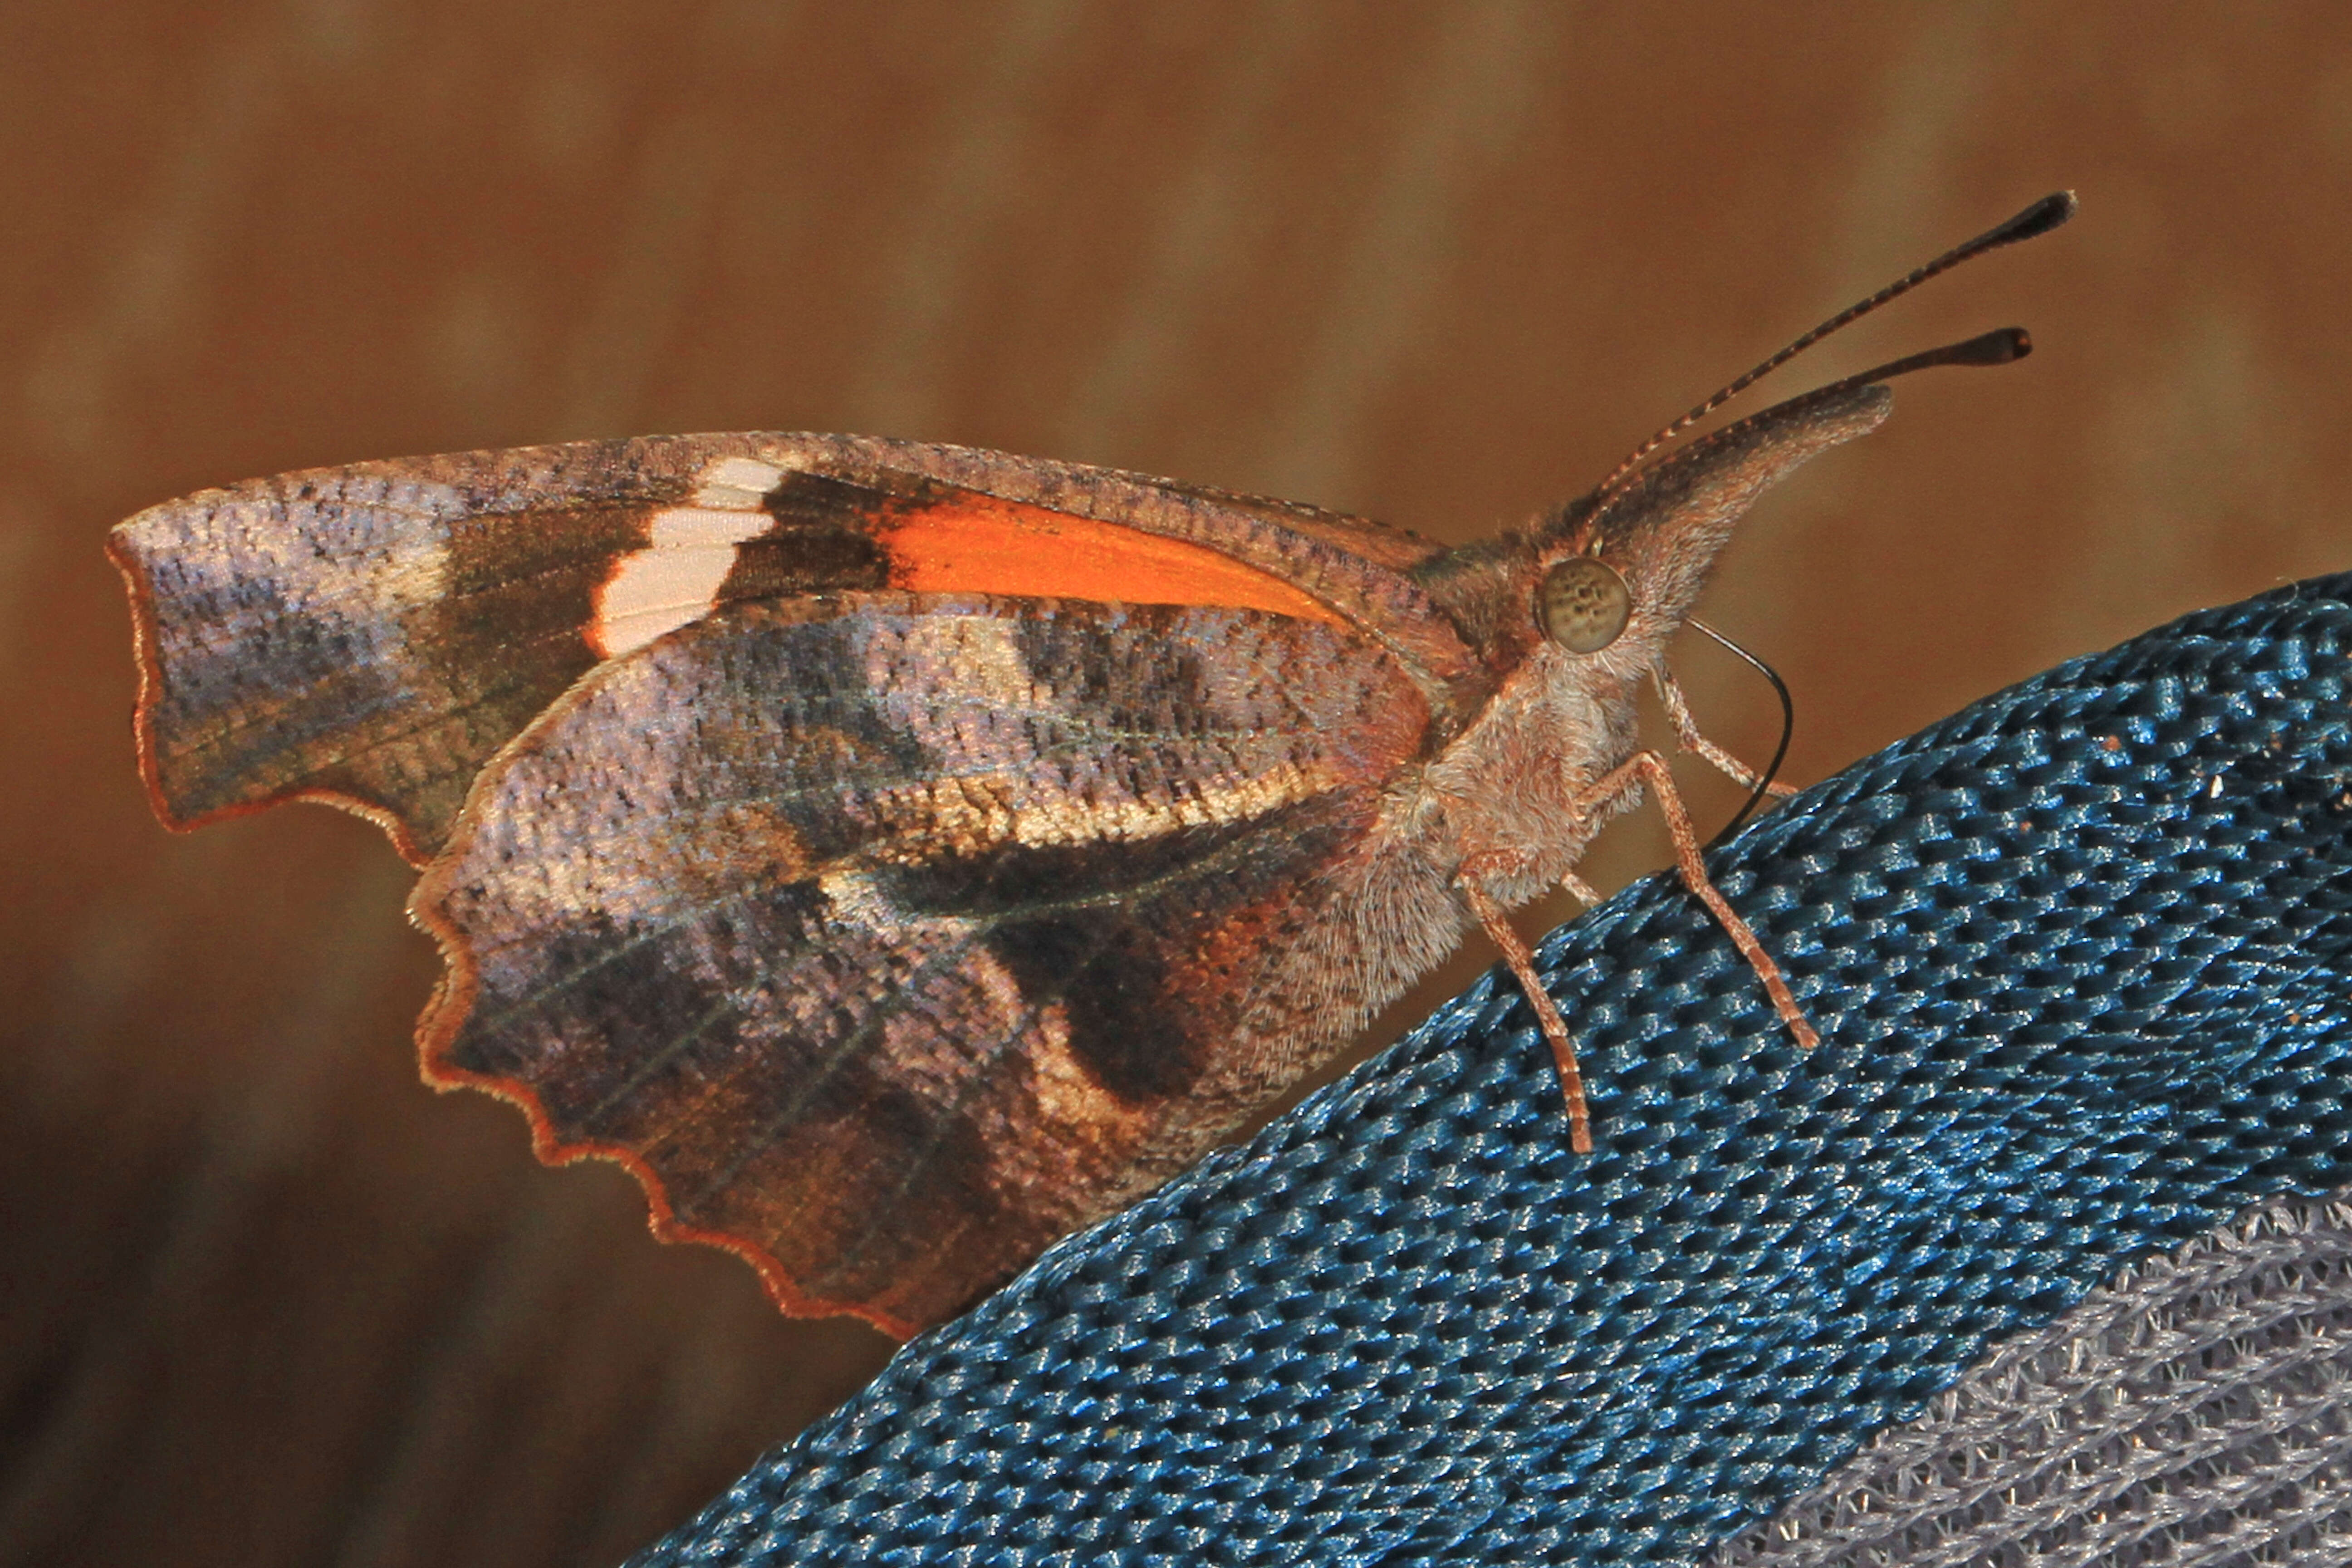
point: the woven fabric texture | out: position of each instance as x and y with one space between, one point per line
2078 956
2196 1411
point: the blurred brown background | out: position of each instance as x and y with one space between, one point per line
263 1297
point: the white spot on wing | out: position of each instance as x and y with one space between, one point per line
674 580
736 484
689 551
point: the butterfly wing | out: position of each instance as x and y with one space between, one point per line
370 636
888 937
883 968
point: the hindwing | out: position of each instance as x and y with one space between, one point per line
888 938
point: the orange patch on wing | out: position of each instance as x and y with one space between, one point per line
979 544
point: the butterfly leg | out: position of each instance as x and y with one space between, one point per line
1649 768
1522 963
1670 692
1582 891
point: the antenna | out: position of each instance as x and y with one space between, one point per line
2038 219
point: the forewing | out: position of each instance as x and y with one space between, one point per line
889 938
370 636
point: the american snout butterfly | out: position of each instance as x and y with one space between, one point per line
897 856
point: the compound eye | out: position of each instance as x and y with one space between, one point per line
1583 603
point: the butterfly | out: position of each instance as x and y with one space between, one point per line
897 856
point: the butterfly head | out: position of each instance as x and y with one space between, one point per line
1611 577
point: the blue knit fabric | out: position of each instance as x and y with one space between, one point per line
2078 956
